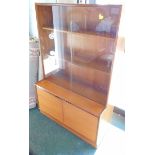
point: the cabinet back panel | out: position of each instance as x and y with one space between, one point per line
88 75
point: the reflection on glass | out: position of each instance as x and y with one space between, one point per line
82 49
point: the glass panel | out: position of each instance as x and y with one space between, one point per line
81 48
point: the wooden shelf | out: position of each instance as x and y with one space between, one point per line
107 36
96 64
92 92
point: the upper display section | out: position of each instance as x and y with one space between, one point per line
78 44
100 20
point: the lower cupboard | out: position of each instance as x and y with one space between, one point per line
72 117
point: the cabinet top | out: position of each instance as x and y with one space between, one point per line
75 5
83 103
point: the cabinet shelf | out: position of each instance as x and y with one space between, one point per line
95 93
96 64
106 35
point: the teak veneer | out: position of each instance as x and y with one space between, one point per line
77 62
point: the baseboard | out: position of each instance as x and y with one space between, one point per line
119 111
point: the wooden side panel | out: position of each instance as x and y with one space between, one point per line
105 116
107 113
100 132
44 17
50 104
80 121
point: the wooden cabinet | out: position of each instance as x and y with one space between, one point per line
77 45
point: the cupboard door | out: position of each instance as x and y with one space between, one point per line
80 121
50 104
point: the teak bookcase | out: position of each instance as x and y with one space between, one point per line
77 45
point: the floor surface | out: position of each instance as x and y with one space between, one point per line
48 138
